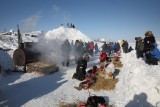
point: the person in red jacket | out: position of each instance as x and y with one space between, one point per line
91 48
103 57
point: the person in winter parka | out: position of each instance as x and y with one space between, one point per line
78 50
96 48
154 51
91 48
81 68
103 57
139 47
66 49
149 42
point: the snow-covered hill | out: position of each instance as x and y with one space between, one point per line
138 82
63 33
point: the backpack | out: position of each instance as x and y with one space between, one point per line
94 101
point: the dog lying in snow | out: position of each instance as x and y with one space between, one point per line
108 71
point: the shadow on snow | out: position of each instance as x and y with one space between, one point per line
139 101
18 94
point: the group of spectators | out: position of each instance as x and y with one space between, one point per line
111 47
145 48
78 49
82 52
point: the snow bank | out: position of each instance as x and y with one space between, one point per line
137 79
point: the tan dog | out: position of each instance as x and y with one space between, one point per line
108 71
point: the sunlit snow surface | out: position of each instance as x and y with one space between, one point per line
138 86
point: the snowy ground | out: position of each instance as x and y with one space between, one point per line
138 86
30 89
137 82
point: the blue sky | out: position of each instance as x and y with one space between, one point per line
109 19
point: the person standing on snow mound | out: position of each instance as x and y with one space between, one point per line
81 68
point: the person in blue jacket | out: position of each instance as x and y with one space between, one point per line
150 48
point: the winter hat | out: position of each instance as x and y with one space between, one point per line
85 56
149 33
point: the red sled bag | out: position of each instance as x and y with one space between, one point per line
86 84
82 105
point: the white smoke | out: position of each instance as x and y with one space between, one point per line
50 50
50 42
29 24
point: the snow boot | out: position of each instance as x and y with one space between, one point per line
74 76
